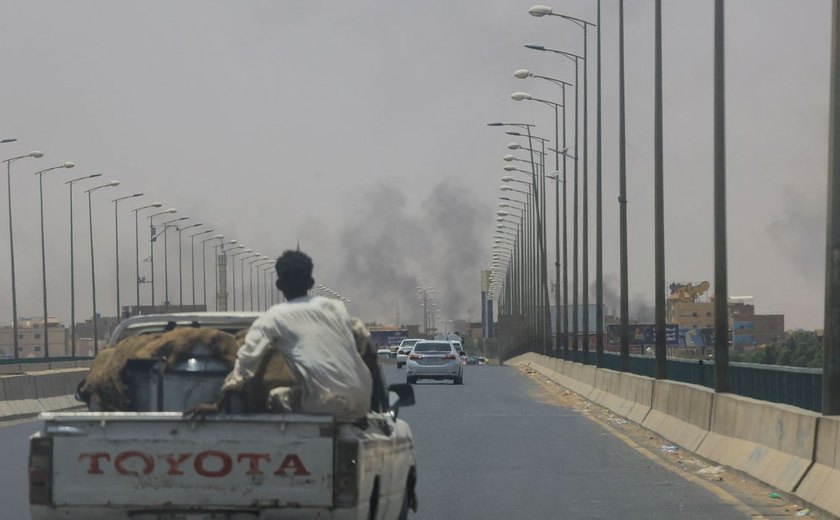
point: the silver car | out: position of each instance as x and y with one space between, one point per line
434 360
404 350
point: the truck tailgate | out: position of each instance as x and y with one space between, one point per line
162 459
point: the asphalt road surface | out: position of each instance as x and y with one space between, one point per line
491 449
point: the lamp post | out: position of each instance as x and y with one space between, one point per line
152 240
35 155
70 183
520 96
661 349
204 266
117 246
540 274
137 245
575 268
540 11
111 184
192 260
166 225
40 175
721 273
256 257
233 273
181 261
221 272
622 199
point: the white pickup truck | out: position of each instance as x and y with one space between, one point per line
160 465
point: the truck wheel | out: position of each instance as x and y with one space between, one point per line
399 365
458 380
411 380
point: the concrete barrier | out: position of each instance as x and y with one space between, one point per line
27 395
822 482
769 441
680 412
637 397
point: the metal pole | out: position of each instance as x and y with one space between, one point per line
585 260
557 321
599 238
93 277
43 266
622 197
721 289
137 253
575 292
233 278
659 201
204 274
117 255
152 256
831 339
565 241
192 267
242 279
12 254
251 286
180 268
165 265
72 282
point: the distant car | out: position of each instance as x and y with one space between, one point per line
383 353
482 360
436 360
472 360
404 350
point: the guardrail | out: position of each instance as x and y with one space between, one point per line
800 387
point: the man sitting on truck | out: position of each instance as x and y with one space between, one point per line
316 336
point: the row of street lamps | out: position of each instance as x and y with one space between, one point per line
516 277
258 264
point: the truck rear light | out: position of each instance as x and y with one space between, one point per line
40 470
449 356
415 357
346 473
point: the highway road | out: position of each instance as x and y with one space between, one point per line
499 448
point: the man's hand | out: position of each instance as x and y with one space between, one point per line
204 409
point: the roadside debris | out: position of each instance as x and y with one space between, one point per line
668 448
775 495
803 512
714 472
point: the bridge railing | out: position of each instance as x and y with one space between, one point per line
801 387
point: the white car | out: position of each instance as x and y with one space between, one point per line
404 350
436 360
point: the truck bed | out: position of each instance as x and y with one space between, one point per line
157 459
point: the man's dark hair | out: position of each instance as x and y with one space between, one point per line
294 272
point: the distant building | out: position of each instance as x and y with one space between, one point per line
31 338
750 329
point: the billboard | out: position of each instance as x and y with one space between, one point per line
383 338
697 337
643 335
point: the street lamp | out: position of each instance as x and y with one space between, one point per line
250 260
40 175
540 11
192 260
137 245
152 240
166 225
71 182
204 266
111 184
35 155
221 272
117 246
181 261
233 273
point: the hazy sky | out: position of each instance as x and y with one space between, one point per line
358 128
